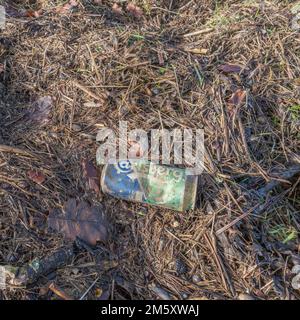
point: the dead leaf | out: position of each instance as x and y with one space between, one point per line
237 97
80 220
117 9
36 176
90 174
40 110
67 7
133 9
230 68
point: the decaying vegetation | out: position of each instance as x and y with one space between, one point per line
230 67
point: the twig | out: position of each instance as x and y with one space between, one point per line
39 267
4 148
212 243
88 92
59 292
89 289
196 33
235 221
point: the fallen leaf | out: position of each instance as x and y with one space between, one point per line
80 220
90 174
237 97
230 68
133 9
117 9
36 176
40 110
67 7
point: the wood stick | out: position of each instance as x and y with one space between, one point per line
4 148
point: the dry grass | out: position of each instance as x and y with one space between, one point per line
143 71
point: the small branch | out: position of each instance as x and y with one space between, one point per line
59 292
4 148
30 273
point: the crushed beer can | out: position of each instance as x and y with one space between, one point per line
147 182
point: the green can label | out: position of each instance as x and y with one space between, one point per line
150 183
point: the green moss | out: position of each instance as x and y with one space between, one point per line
295 112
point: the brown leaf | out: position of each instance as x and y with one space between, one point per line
67 7
80 220
40 110
133 9
117 9
36 176
230 68
90 174
237 97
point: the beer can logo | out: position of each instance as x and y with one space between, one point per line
124 166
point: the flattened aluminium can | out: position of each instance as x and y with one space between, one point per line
147 182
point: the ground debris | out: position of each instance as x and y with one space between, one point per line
71 68
40 111
80 220
38 267
90 176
